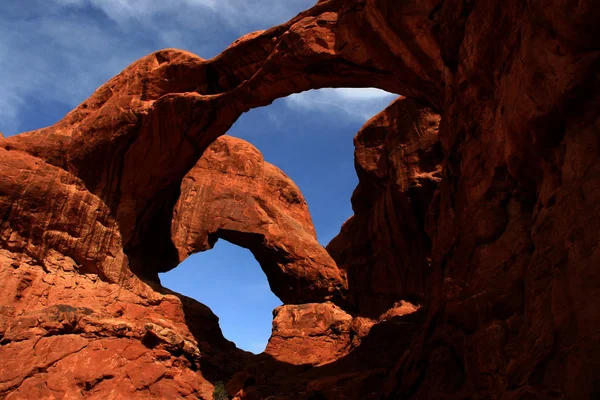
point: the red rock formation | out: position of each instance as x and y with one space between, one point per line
384 247
314 334
232 193
321 333
319 351
67 334
515 224
48 214
135 138
86 208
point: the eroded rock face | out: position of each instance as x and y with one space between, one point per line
320 351
313 334
132 142
48 214
232 193
62 297
66 334
383 247
86 207
515 223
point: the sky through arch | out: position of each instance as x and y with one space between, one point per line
230 281
55 53
310 137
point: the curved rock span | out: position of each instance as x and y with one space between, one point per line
468 270
232 193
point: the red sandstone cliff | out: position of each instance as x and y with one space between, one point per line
384 247
493 231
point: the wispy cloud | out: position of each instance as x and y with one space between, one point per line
358 104
60 51
238 13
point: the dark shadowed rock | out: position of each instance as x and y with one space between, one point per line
384 248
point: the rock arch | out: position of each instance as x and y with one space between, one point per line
145 128
233 194
513 226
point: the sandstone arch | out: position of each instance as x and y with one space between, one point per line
163 110
513 227
233 194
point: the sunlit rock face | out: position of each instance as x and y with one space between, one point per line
488 261
232 193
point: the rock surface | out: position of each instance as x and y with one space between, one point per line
312 334
69 335
503 256
319 351
232 193
83 314
383 247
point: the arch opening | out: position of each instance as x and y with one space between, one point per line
319 124
229 280
309 136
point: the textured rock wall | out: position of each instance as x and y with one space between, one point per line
143 340
132 142
506 274
515 224
383 246
68 335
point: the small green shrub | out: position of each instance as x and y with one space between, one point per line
220 393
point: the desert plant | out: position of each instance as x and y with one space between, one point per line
220 393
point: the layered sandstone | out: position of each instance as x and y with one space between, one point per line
499 246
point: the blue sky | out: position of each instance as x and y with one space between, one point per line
55 53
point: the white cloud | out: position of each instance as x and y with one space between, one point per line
358 104
235 12
361 93
62 50
122 10
54 59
